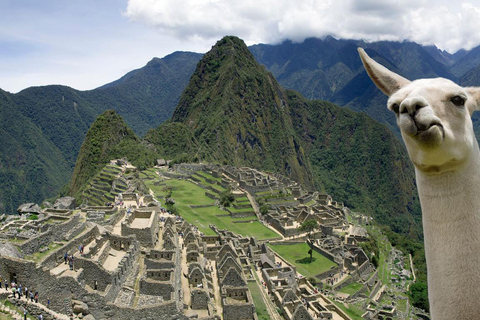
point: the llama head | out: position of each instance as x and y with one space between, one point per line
434 117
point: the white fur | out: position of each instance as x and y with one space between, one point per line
441 144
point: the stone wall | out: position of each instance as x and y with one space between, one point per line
146 236
56 256
159 264
121 243
157 288
56 232
66 288
237 310
105 252
32 309
166 254
199 299
322 251
93 250
160 274
94 274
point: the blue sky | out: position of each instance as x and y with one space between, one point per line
85 44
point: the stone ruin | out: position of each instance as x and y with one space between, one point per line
144 263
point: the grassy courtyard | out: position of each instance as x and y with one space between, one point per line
297 255
187 194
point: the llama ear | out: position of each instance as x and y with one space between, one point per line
387 81
475 93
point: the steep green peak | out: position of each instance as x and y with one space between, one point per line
231 48
238 113
228 80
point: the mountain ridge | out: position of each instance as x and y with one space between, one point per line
61 116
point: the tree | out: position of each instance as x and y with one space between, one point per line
226 198
309 226
264 209
310 252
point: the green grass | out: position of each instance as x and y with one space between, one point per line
352 311
209 176
297 255
260 307
187 193
351 288
383 272
232 209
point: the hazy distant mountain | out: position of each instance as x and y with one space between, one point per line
331 70
147 96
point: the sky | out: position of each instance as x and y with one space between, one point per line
87 43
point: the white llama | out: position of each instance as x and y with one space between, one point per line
434 117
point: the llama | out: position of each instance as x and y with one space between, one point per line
434 117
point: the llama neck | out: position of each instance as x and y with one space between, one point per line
451 223
453 195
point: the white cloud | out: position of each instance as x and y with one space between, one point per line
448 24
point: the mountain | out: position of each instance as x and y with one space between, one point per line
31 165
238 114
147 96
358 160
233 111
330 69
38 161
327 69
107 138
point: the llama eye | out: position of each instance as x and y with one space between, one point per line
458 101
395 108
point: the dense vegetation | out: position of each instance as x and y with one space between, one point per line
32 167
108 138
43 128
359 161
234 112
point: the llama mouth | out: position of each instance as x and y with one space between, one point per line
431 135
421 129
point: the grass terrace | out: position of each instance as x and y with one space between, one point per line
260 307
352 288
297 255
208 176
352 311
186 193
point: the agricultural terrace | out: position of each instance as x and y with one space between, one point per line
186 194
297 255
